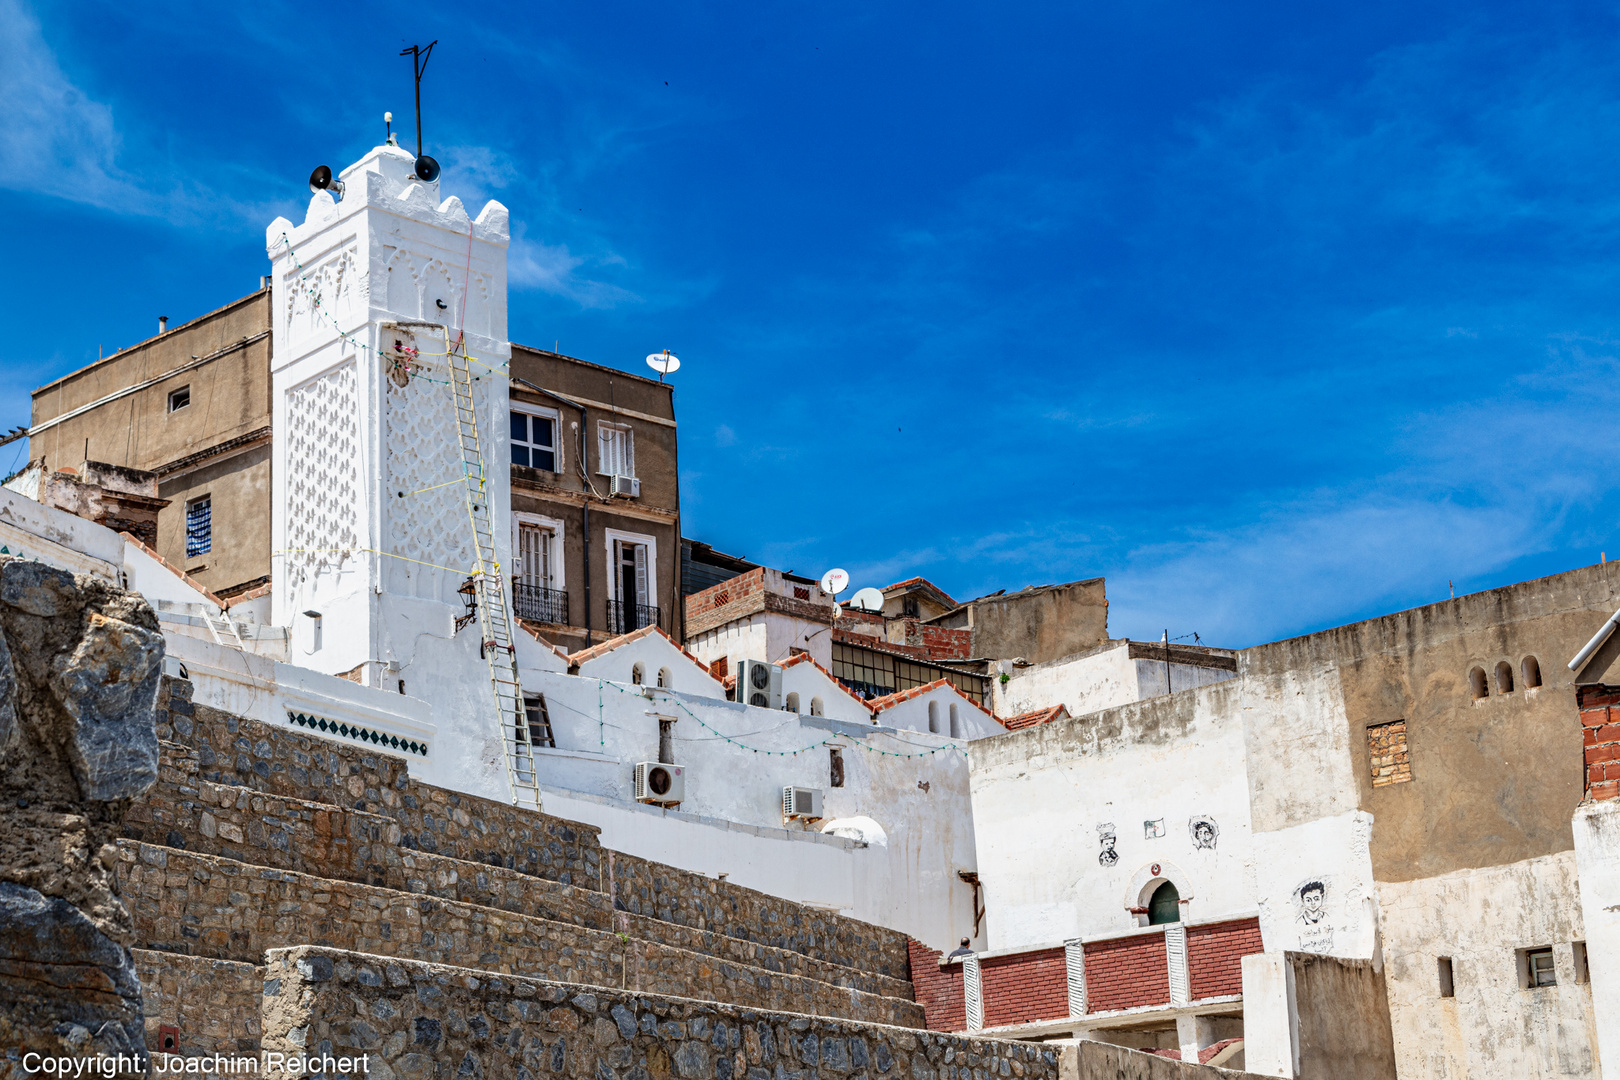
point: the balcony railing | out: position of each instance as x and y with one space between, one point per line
540 604
623 618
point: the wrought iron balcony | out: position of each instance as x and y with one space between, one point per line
623 618
540 604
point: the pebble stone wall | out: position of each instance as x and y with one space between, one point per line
430 1022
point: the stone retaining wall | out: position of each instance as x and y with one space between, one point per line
425 1021
240 752
208 906
325 841
212 1004
680 896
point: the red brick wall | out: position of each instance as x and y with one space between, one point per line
944 643
1215 954
1126 973
939 992
718 596
1600 728
1029 986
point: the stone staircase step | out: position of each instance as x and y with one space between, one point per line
327 841
233 751
206 905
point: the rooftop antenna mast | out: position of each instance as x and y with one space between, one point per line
419 60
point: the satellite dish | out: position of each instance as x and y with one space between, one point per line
427 170
665 363
867 600
321 180
834 581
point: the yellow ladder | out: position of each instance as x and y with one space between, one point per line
489 591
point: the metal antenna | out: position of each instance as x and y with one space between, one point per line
419 58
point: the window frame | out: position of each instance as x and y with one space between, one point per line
176 392
604 426
544 413
610 538
208 545
559 564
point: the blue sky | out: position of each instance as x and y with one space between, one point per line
1275 318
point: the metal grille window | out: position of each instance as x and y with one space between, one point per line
871 674
534 441
199 527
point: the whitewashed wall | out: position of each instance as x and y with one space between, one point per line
1480 918
1102 678
1597 857
1044 800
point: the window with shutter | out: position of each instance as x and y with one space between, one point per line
616 450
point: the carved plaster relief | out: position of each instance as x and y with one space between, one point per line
323 473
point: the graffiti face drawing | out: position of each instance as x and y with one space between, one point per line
1311 896
1105 837
1204 833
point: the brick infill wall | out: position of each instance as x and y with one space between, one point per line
938 990
1127 973
1026 987
1600 731
1215 956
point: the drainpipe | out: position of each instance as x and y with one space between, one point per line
1596 643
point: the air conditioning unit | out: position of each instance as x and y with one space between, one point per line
660 784
801 802
627 487
759 684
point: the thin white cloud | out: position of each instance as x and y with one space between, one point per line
552 268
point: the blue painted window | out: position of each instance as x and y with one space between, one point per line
199 527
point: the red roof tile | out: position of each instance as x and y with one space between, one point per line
1038 716
587 655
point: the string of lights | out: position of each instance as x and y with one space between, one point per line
600 683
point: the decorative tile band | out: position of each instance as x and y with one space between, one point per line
355 731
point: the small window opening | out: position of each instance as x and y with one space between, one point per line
1583 973
837 763
791 703
1476 683
179 399
1448 988
636 674
664 677
1504 678
539 718
666 741
1165 906
1536 968
199 527
956 724
815 706
933 717
314 631
1531 670
908 607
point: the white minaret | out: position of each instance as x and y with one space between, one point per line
369 520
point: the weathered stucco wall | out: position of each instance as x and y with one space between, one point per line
1479 919
423 1020
1038 624
1072 816
79 669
